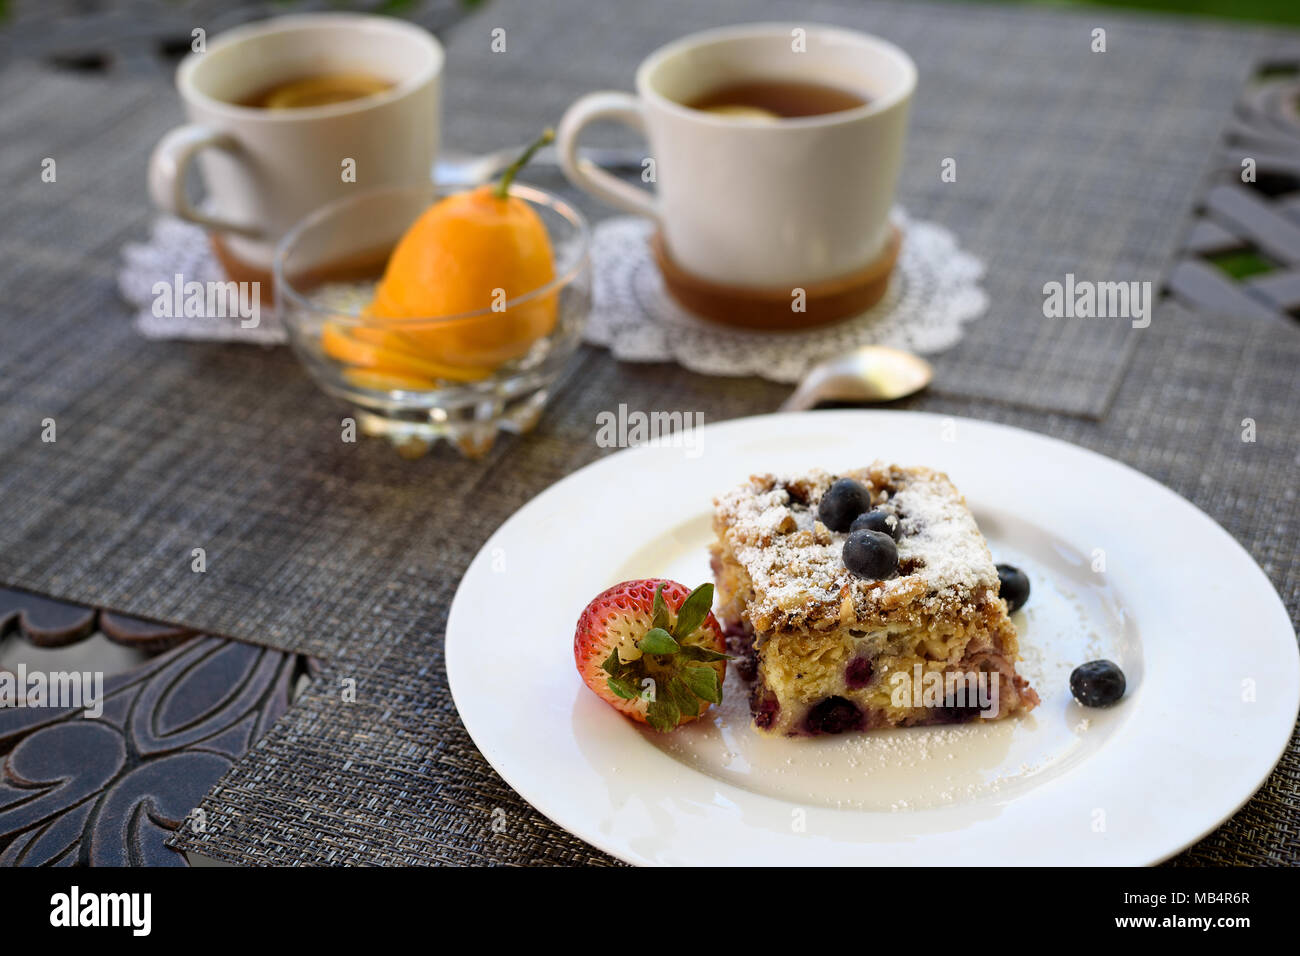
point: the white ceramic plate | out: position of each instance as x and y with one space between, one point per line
1120 566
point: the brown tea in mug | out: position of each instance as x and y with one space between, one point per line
784 99
318 90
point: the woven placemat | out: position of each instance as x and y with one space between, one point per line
350 554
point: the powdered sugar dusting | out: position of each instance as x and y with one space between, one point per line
939 530
796 564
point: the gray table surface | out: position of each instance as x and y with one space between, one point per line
1068 162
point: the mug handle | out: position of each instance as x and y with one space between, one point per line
169 165
586 175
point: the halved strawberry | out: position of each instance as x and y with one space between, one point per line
653 651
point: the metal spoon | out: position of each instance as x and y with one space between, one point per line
871 373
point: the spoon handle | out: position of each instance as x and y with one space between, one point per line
802 398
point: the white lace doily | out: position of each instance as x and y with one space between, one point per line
933 291
175 248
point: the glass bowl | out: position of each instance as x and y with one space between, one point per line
396 372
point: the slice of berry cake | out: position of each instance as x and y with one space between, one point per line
863 600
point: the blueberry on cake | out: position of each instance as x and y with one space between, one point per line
862 600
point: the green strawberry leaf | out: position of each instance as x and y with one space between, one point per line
693 611
663 715
611 664
658 641
683 697
621 688
704 682
696 652
660 619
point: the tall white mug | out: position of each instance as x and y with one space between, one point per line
265 170
752 202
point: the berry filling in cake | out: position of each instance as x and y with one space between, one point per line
863 600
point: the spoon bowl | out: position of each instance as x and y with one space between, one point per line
871 373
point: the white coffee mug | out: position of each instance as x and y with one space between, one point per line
265 170
754 202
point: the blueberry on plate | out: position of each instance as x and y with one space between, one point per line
871 555
877 520
1097 683
1014 586
843 501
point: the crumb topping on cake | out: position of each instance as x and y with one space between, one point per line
795 562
